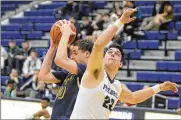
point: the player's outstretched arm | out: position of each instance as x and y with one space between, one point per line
45 73
141 95
95 61
61 58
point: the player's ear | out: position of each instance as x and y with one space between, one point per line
87 54
121 65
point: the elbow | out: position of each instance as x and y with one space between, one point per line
59 60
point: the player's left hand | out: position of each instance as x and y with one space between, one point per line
125 17
169 86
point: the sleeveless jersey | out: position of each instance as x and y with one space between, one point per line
97 103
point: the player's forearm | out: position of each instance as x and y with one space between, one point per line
62 54
106 36
47 63
142 95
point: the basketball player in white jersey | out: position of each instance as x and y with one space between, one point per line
99 92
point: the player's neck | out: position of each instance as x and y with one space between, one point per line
111 73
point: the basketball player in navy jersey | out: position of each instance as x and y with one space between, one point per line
99 91
73 69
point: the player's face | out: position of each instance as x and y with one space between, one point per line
44 103
77 55
112 58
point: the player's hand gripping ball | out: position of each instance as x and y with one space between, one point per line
56 34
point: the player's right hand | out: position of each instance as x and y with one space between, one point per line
125 17
65 27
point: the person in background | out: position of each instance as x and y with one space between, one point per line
9 89
13 50
15 78
22 55
4 56
154 22
31 64
44 112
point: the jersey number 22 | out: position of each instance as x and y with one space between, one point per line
108 103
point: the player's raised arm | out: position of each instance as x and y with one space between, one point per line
141 95
95 62
61 58
45 73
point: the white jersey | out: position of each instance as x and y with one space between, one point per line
97 103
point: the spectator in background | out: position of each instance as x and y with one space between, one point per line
71 9
13 50
86 28
31 85
159 7
23 54
18 82
130 28
98 22
43 91
165 14
4 56
77 25
31 64
107 20
9 89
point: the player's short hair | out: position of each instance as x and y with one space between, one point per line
119 47
45 98
85 45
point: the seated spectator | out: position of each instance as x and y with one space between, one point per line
23 54
86 28
97 23
72 8
130 28
4 56
43 91
107 20
154 22
13 50
31 86
9 89
18 82
31 64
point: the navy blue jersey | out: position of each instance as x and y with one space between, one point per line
67 93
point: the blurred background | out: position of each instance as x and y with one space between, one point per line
152 44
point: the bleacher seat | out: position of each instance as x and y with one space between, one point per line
33 19
146 9
134 87
158 76
11 35
145 44
167 65
136 54
173 103
11 27
52 6
35 35
39 13
99 4
131 44
43 26
3 88
4 42
178 25
144 3
177 55
41 51
4 80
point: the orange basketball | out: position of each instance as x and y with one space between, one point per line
55 33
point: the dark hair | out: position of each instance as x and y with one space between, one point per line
26 41
119 47
85 45
33 50
45 98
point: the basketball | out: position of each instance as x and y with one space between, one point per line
55 33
